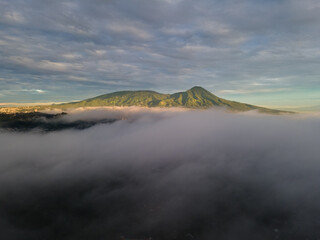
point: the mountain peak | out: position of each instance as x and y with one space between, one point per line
197 88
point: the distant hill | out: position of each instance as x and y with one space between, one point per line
309 109
196 97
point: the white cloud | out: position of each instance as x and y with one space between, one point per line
40 91
130 29
246 91
44 64
14 17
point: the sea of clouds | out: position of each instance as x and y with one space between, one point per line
164 175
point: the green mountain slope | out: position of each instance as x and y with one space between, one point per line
196 97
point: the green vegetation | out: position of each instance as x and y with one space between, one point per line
196 97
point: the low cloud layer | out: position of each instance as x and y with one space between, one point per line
164 175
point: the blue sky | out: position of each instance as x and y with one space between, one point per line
255 51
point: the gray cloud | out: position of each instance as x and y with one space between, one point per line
165 175
163 45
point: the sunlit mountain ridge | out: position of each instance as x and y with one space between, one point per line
196 98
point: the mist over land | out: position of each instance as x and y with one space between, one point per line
163 174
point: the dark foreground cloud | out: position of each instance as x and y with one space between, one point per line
164 175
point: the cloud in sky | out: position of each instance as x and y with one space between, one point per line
166 175
162 45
